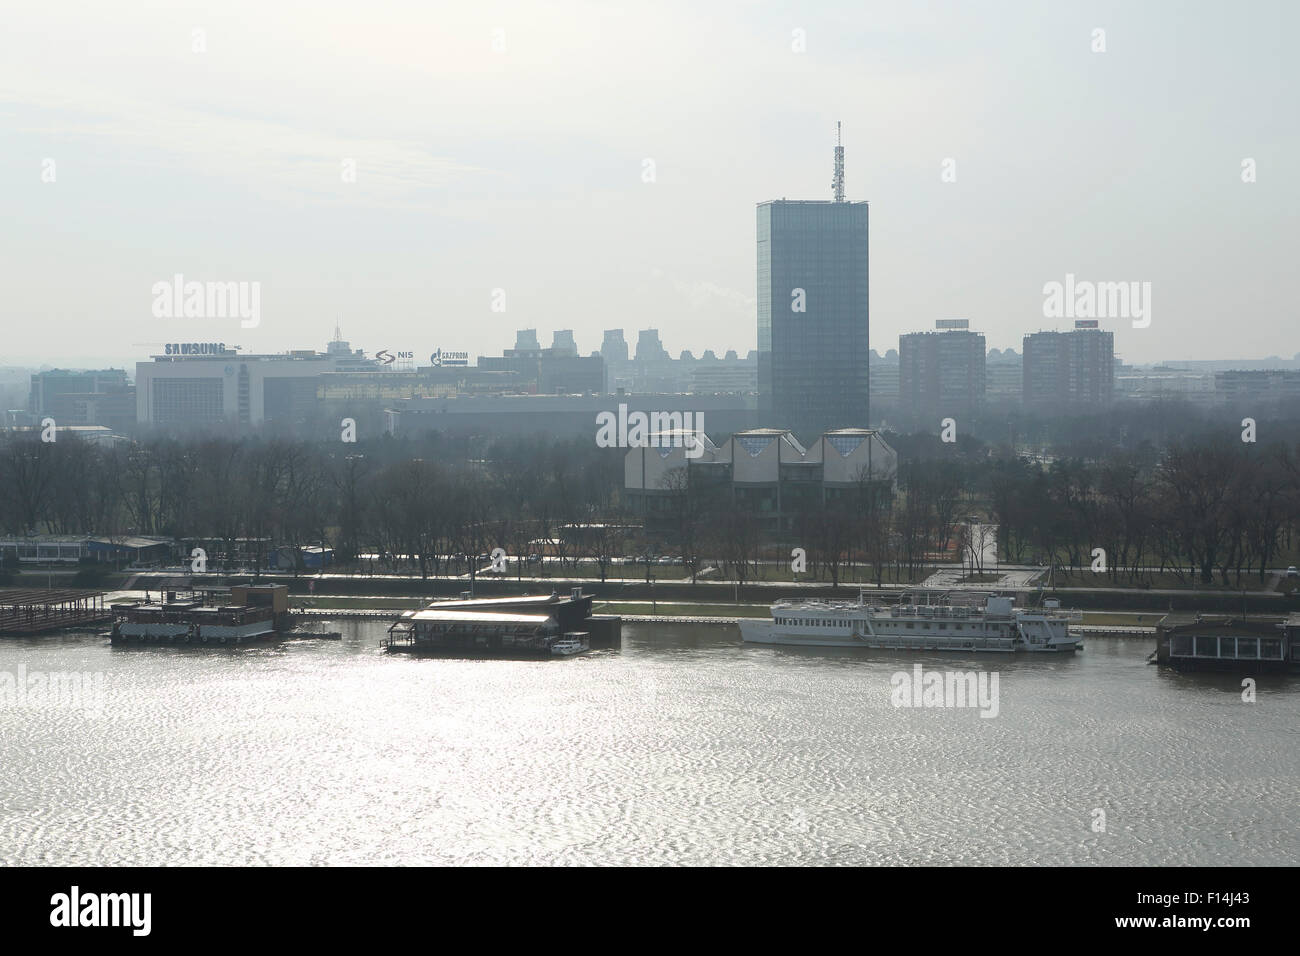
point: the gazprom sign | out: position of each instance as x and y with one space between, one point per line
440 358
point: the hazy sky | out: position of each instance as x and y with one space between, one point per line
523 168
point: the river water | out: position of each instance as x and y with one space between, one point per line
683 747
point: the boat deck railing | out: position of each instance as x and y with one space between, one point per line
928 612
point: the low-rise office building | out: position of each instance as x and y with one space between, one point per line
559 415
70 549
765 471
101 397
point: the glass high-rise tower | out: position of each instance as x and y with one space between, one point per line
813 314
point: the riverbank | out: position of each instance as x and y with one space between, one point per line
403 592
1097 623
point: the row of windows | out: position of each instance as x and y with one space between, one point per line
1247 648
880 625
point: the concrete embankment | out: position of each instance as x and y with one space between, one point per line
727 593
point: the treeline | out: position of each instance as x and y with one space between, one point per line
1225 509
1209 511
1215 509
420 499
1143 429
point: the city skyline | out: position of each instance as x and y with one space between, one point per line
1122 165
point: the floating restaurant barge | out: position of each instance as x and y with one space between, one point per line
1199 642
525 626
247 613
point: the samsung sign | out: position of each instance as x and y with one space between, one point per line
441 358
196 348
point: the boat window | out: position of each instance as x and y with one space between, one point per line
1270 648
1247 647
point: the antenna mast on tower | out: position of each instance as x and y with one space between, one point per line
838 183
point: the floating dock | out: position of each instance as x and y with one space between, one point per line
41 610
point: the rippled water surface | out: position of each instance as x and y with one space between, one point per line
685 747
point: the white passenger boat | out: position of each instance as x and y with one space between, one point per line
996 627
572 643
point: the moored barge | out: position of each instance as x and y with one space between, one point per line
248 613
527 626
1202 642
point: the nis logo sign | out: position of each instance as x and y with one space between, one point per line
441 358
388 358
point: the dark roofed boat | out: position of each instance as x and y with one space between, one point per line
525 626
1203 642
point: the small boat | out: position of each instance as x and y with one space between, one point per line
575 642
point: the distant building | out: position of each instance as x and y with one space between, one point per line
613 348
649 348
197 385
101 397
562 343
569 415
720 376
526 340
1069 369
883 384
813 313
1150 383
884 389
1003 376
91 434
941 373
549 371
1261 386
